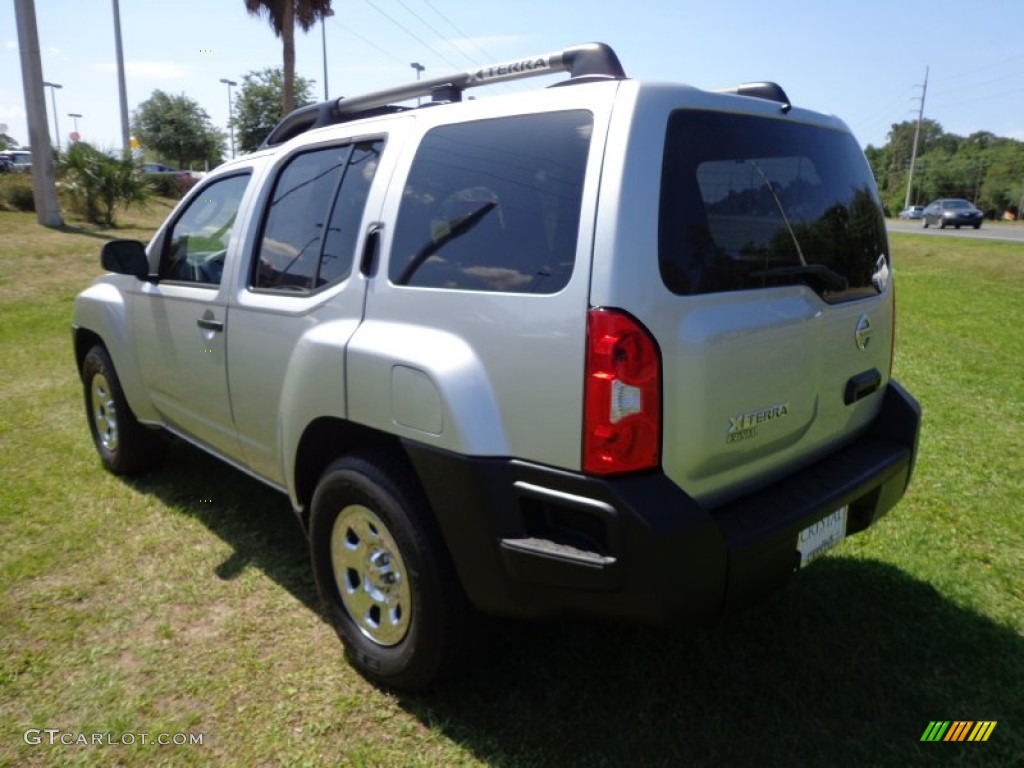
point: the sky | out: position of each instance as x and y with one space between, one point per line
863 61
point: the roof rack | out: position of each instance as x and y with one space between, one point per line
765 90
590 61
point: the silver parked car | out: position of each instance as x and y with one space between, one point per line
612 349
952 212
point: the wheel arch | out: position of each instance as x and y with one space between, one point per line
329 438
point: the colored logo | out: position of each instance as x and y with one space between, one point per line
958 730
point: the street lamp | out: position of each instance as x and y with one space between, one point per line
231 118
419 68
323 30
74 116
53 97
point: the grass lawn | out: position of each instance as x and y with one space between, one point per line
182 602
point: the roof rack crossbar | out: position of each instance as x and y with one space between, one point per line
579 60
589 60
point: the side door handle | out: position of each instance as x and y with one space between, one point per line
371 248
208 323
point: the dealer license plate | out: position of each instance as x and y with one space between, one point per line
817 539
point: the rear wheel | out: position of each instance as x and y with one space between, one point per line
978 225
925 223
383 574
125 446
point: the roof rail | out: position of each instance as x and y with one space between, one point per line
590 60
765 90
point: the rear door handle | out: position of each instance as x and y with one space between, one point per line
862 385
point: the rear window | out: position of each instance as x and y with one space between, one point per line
753 202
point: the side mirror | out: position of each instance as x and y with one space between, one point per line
125 257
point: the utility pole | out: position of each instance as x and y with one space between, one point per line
122 91
323 31
44 186
56 126
917 135
231 116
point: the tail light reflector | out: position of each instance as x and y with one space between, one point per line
622 395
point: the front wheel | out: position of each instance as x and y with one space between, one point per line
383 574
125 446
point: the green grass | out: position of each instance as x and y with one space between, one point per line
183 601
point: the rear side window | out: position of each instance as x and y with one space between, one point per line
752 202
312 222
494 205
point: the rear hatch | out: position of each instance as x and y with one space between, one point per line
772 309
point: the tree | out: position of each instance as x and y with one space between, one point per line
283 15
177 129
258 104
984 168
6 142
98 182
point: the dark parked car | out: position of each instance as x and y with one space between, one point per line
952 212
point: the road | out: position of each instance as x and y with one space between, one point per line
1010 233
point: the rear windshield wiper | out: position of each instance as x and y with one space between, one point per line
829 278
778 204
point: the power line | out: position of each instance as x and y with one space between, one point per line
413 35
463 35
437 32
372 44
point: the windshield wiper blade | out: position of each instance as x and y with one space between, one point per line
458 229
831 279
778 204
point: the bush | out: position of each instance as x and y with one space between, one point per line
16 192
169 184
97 183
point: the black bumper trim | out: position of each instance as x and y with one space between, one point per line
534 541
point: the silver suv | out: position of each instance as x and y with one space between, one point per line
608 348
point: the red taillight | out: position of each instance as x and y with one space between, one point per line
622 395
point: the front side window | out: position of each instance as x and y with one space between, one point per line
312 221
494 205
752 202
198 240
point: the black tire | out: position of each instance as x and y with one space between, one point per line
942 224
364 506
926 223
125 446
977 226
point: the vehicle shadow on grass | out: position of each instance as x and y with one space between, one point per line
255 521
846 667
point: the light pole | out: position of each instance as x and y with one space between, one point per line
323 31
74 116
231 118
53 97
419 68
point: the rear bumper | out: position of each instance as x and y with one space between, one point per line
532 541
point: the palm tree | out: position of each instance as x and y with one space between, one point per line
283 15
